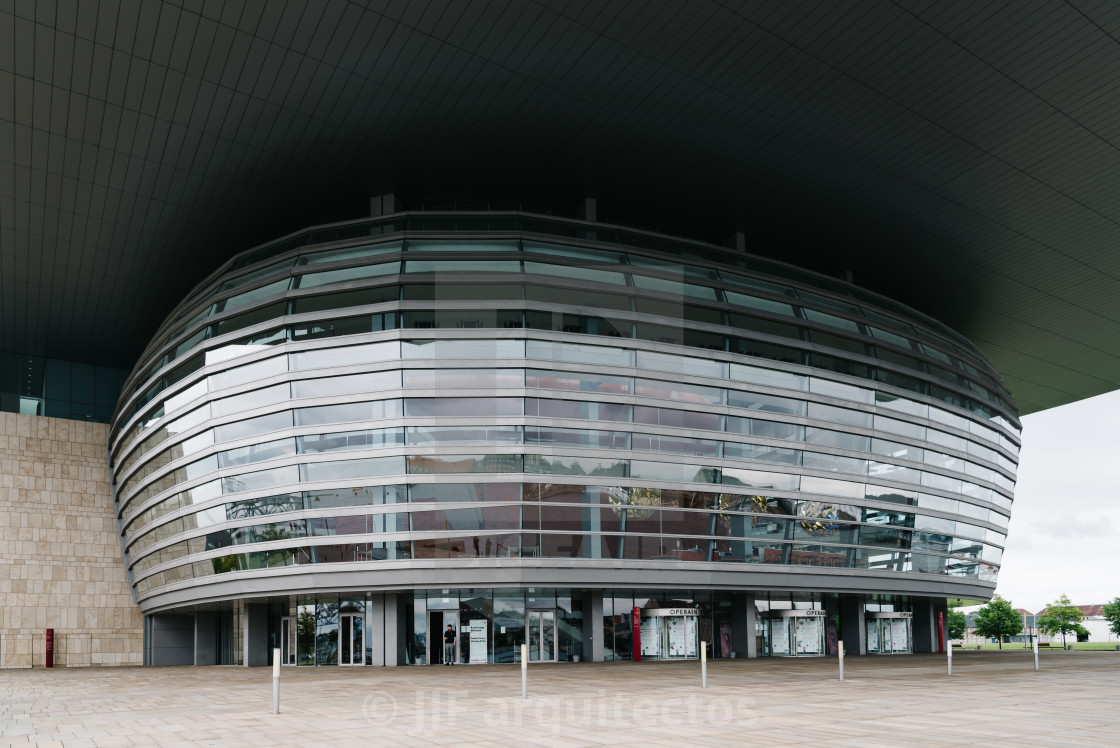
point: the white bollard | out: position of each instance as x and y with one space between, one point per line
703 664
949 653
276 681
1036 653
841 650
524 671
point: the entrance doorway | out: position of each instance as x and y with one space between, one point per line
668 637
541 635
288 640
889 633
351 639
438 621
795 633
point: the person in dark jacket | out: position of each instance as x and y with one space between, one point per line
449 645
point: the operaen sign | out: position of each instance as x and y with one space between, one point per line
650 612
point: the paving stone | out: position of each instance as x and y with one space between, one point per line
885 701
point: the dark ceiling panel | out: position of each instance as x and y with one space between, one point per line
962 157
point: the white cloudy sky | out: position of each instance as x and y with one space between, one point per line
1064 524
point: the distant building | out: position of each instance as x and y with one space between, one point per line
1094 621
1029 627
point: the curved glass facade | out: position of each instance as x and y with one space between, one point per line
469 394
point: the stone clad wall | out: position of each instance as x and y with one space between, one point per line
60 560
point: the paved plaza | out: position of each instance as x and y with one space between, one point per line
906 700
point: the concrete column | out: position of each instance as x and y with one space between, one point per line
147 659
925 625
938 605
593 626
392 629
853 628
375 621
256 635
743 624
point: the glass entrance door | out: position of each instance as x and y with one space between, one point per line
288 640
351 640
541 635
678 637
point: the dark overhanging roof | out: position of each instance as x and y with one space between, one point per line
959 157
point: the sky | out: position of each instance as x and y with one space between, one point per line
1064 522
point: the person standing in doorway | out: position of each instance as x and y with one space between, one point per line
449 645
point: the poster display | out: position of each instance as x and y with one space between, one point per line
651 637
779 636
900 635
477 631
808 633
725 648
668 633
872 636
690 637
677 647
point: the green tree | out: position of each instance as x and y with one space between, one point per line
998 619
1112 615
958 624
1060 617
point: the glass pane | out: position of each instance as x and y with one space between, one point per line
248 400
345 638
548 635
689 393
426 407
349 253
682 365
575 352
563 380
358 641
236 302
370 467
436 464
413 349
675 287
248 373
534 632
768 377
578 273
350 440
463 435
349 356
311 280
755 302
462 378
838 389
355 383
461 245
560 465
839 415
766 403
462 266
